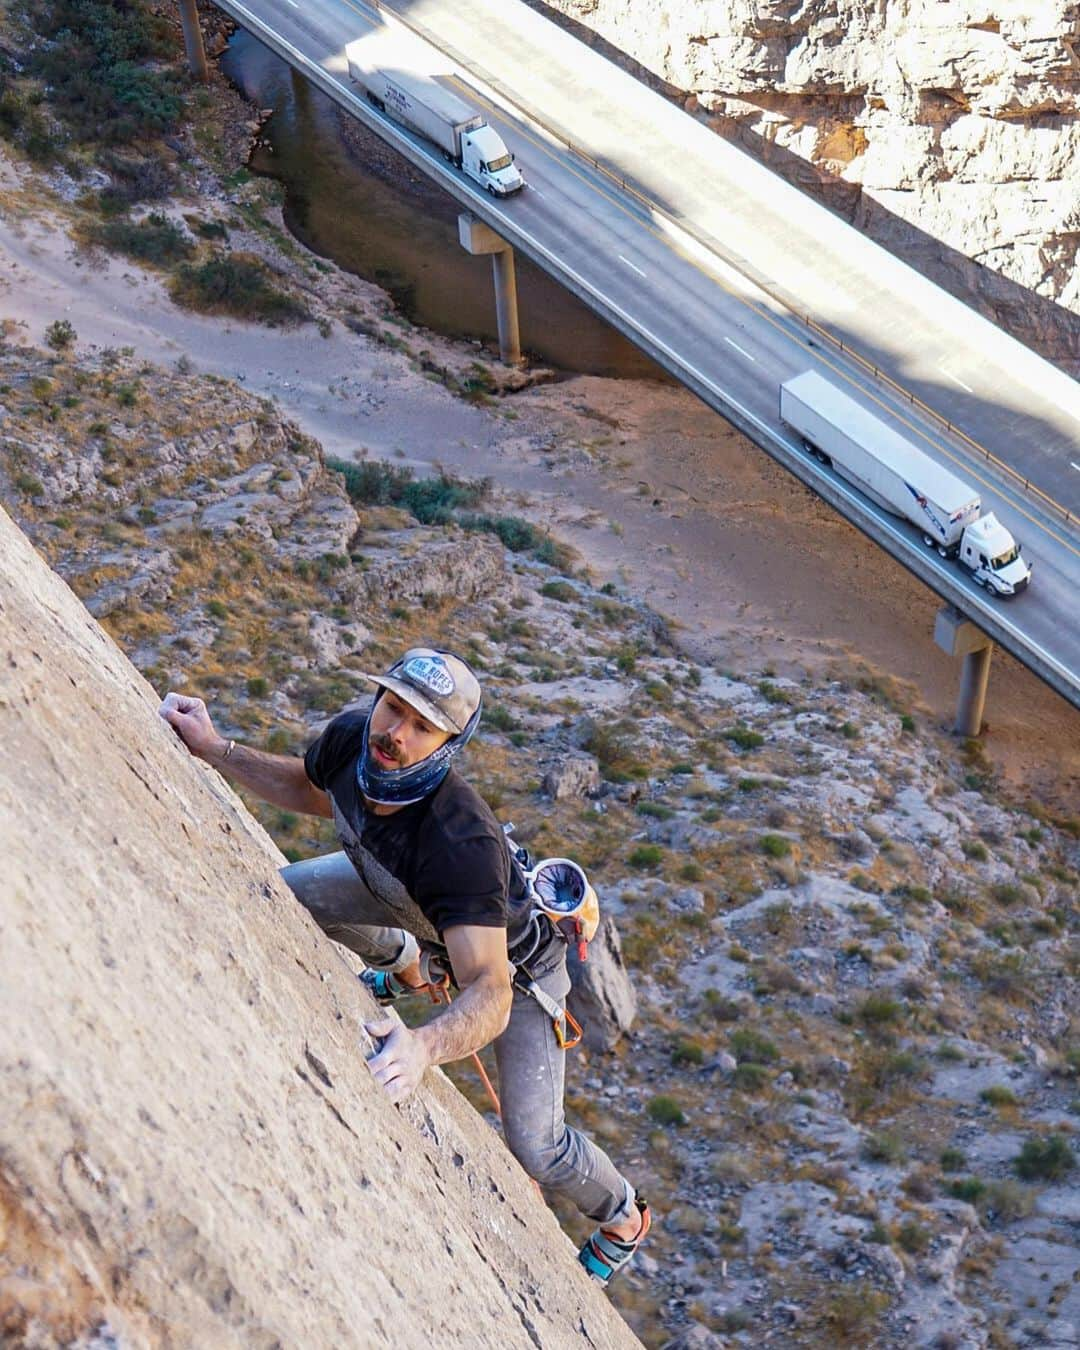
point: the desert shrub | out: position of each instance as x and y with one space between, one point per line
775 846
237 284
655 809
258 686
665 1110
646 855
967 1188
60 335
134 178
743 737
997 1094
687 1052
558 590
952 1160
884 1147
914 1237
155 239
879 1010
96 61
855 1309
1049 1159
752 1047
1005 1201
614 746
721 1007
750 1077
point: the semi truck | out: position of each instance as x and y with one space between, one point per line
425 104
887 468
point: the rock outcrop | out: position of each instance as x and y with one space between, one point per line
191 1149
948 133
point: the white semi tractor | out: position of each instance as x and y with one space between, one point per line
898 476
424 104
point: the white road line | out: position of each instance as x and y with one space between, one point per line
1074 465
534 191
956 380
631 265
741 350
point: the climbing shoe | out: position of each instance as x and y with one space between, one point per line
382 985
604 1254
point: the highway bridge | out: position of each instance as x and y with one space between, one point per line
734 281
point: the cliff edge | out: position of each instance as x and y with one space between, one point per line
191 1149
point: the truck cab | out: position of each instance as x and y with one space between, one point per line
994 557
485 158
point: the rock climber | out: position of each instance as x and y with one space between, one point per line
425 872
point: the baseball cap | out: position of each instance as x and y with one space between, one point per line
439 685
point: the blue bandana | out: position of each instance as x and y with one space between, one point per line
402 787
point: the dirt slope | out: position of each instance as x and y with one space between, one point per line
191 1150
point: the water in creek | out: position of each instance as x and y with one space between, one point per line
375 215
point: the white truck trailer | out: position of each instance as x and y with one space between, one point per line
424 104
898 476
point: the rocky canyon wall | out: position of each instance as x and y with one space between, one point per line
946 131
192 1152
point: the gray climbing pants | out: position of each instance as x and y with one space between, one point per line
531 1065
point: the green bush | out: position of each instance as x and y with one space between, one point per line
97 61
60 335
646 855
750 1077
967 1188
884 1147
952 1160
666 1110
239 285
775 846
155 239
558 590
997 1094
686 1052
1049 1159
743 737
879 1010
914 1237
752 1047
258 686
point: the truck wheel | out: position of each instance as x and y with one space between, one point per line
944 552
928 541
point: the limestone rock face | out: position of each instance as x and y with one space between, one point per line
192 1152
948 132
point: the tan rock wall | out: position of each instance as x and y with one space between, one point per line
948 132
192 1152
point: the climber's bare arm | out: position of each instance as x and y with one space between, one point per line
279 779
476 1017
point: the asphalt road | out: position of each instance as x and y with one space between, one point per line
714 266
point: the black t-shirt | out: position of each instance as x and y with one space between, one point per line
447 852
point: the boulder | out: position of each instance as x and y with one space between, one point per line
602 995
575 774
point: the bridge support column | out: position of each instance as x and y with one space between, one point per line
960 637
476 237
193 40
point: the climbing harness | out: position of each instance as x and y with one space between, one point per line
563 900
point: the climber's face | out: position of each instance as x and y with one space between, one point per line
398 736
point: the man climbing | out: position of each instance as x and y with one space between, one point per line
425 872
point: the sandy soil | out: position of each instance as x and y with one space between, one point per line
656 490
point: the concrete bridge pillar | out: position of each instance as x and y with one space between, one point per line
193 40
476 237
960 637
